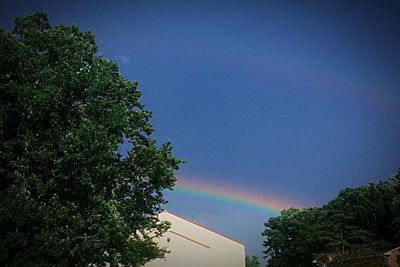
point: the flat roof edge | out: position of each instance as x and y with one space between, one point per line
202 226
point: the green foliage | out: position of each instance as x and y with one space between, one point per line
67 196
361 217
351 229
292 238
396 207
252 261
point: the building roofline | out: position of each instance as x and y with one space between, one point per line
388 253
202 226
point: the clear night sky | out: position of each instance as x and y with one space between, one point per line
293 98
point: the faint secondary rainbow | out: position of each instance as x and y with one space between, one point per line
384 97
231 194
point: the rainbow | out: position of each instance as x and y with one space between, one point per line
338 84
231 194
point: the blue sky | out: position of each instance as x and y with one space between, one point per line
292 98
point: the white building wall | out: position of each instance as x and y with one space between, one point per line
192 245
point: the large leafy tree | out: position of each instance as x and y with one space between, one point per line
359 225
396 207
351 229
292 239
67 195
252 261
361 217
